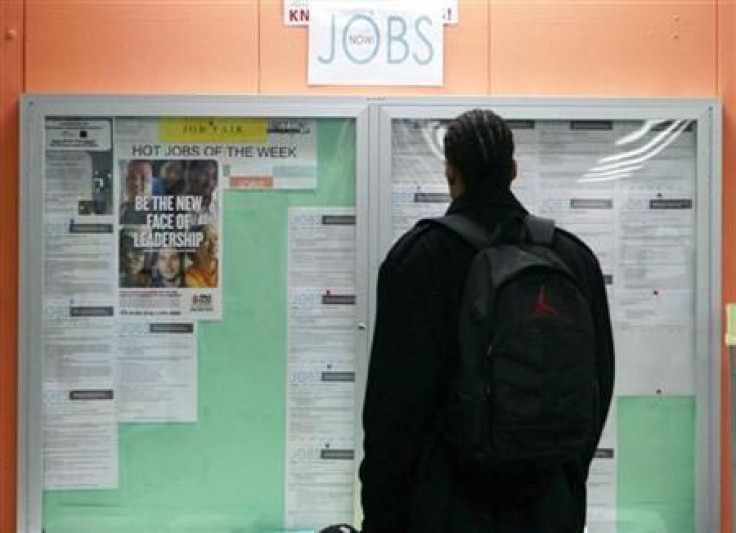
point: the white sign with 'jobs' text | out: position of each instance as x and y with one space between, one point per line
376 43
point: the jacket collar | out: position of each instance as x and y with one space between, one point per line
503 201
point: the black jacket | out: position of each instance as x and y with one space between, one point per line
409 482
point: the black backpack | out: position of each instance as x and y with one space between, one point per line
524 391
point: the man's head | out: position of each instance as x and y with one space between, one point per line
132 259
138 178
173 177
203 179
479 153
168 264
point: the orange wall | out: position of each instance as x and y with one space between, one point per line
11 83
501 48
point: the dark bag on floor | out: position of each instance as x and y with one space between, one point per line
339 528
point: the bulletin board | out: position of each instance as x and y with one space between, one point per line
639 182
197 299
221 401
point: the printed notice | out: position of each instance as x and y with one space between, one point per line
77 134
78 175
78 349
79 425
321 247
157 372
320 367
78 211
415 202
80 431
285 159
78 260
320 483
80 438
251 153
169 238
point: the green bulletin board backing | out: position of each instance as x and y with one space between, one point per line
656 474
224 473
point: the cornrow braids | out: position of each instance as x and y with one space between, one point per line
480 145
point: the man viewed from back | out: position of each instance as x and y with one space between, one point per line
412 479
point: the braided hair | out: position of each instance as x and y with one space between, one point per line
480 145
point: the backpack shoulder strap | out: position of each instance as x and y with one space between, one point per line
470 231
541 230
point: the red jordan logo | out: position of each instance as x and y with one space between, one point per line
541 306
